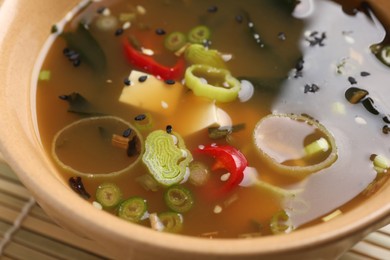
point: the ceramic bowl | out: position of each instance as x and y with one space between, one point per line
25 26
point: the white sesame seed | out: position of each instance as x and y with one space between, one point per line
360 120
97 205
225 177
164 104
217 209
201 146
126 25
106 12
141 10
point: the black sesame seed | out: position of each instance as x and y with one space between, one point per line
74 56
386 119
212 9
282 36
127 81
118 31
140 117
239 18
69 53
65 51
127 132
170 81
169 129
160 31
352 80
364 74
100 10
64 97
143 78
76 63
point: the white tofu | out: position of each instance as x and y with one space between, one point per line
206 115
151 95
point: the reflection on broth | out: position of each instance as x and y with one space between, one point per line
236 119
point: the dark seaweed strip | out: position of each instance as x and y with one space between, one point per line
133 148
253 31
77 185
86 45
79 105
368 103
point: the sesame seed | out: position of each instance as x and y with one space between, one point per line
140 117
97 205
160 31
64 97
170 82
169 129
127 81
118 32
143 78
364 74
352 80
217 209
282 36
76 63
74 56
164 104
127 132
212 9
100 10
239 18
225 177
126 25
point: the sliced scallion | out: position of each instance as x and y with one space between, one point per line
172 221
318 146
175 41
199 34
133 209
179 199
44 75
108 195
281 223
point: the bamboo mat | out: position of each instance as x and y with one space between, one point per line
26 232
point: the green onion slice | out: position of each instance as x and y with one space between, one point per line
175 41
108 195
166 157
281 223
84 147
179 199
213 83
198 54
133 209
199 34
278 137
172 221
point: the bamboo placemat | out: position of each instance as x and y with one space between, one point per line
26 232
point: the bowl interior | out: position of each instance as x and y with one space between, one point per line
21 148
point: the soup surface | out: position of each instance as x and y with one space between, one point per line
218 119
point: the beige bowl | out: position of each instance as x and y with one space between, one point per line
24 28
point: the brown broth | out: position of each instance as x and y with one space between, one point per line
279 88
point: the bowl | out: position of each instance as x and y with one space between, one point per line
25 26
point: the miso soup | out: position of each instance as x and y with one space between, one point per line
222 119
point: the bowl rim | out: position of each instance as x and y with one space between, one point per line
76 208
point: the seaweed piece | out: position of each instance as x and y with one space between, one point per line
86 45
78 104
223 131
77 185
